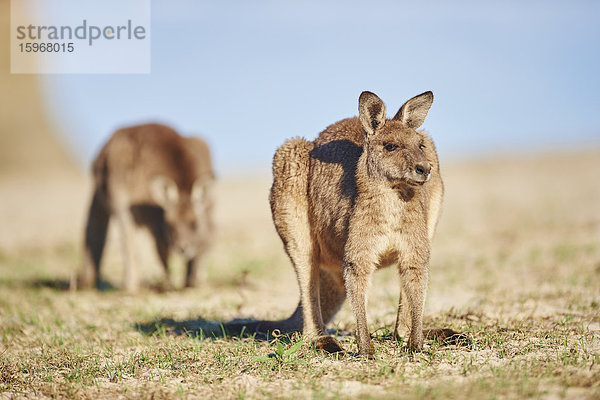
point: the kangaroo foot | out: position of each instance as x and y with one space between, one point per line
329 344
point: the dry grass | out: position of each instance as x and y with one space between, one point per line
516 265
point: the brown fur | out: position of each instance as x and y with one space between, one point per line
366 194
150 176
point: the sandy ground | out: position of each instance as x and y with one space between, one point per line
516 264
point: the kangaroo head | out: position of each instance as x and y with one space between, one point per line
186 213
395 151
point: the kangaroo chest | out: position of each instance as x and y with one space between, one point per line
388 228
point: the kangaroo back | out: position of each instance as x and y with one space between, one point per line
288 197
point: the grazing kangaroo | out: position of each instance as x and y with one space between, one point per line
150 176
366 194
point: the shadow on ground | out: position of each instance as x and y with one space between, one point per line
236 328
61 285
65 285
55 284
204 329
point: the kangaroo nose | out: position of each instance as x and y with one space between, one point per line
422 170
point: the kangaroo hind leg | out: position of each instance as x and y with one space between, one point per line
290 209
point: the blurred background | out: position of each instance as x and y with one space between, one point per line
508 77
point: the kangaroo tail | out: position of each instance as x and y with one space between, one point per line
95 239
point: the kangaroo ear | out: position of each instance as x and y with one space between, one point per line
414 111
164 191
371 112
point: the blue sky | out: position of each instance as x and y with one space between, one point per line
507 76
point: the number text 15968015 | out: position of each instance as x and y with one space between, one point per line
46 47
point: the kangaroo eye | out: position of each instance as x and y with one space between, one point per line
390 146
421 146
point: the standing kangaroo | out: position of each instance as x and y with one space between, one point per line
150 176
364 195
